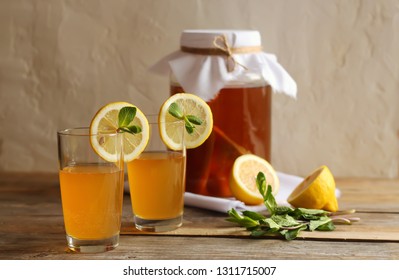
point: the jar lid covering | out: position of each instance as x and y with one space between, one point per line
209 59
205 38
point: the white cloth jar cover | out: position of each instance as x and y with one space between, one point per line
210 59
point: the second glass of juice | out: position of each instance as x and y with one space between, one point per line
157 182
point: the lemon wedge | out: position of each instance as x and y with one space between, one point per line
106 121
243 178
190 105
316 191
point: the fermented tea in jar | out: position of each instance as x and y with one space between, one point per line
229 70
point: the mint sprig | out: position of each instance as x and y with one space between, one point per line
125 117
190 121
284 220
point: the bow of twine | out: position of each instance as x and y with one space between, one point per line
220 42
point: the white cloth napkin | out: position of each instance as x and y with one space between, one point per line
287 185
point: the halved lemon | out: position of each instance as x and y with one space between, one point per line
189 104
106 121
243 178
316 191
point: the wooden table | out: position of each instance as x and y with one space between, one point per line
31 227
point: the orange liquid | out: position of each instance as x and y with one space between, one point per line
157 182
242 124
92 200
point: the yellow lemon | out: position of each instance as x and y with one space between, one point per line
106 121
331 205
243 178
317 191
189 105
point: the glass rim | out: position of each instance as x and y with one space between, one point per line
74 131
77 131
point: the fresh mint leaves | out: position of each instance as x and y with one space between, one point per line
125 117
284 220
266 192
175 111
190 121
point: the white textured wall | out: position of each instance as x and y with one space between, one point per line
61 60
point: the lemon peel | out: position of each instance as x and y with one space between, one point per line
316 191
243 178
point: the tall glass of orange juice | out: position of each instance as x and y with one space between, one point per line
157 182
91 191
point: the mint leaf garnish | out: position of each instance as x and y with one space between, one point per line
284 220
131 129
327 226
125 117
242 220
194 120
293 233
190 121
315 224
175 111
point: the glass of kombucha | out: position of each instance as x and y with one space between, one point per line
157 183
91 191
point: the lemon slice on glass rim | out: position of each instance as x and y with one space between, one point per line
106 121
243 178
189 105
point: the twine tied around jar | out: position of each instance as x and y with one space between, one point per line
226 49
222 47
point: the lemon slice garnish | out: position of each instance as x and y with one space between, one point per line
243 178
316 191
189 104
106 121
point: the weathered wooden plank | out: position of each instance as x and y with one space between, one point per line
371 227
31 227
369 195
205 248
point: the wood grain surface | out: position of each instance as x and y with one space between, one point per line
31 227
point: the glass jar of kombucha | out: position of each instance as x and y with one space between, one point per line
228 69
